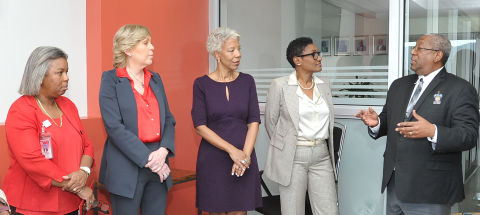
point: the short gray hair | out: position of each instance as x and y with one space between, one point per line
441 43
217 39
37 68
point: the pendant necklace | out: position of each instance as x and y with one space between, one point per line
45 112
136 79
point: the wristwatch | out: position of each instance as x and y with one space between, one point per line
86 170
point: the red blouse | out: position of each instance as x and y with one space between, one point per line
148 112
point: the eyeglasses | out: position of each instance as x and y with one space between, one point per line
97 206
417 48
314 55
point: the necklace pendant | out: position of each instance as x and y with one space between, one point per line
143 86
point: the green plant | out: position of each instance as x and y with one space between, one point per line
358 90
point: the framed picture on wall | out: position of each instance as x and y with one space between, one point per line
380 44
342 46
360 45
326 46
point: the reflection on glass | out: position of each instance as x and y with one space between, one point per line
347 32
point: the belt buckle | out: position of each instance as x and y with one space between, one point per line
313 141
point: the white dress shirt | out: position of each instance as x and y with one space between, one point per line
426 81
313 113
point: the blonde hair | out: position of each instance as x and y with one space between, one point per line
217 38
126 38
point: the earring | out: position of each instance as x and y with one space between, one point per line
130 55
218 60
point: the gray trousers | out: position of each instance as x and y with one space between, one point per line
312 171
150 196
397 207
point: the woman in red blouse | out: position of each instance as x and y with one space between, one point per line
140 127
35 184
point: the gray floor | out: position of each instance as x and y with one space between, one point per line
472 187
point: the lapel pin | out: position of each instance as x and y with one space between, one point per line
438 98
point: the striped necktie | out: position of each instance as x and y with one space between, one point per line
414 99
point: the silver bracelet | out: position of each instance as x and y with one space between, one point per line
81 190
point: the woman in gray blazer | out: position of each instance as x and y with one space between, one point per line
139 125
299 122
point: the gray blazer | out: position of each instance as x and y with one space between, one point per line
281 122
124 153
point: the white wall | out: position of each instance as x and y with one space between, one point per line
27 24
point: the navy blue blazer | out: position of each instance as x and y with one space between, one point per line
124 153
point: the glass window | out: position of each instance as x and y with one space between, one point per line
459 20
353 36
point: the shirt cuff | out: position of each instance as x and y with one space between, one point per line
433 139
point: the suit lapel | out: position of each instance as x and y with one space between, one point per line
324 89
435 82
128 104
291 99
156 88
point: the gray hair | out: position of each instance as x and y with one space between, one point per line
441 43
217 39
37 68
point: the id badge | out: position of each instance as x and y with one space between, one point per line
46 144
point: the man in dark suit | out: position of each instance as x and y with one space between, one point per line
361 47
380 46
324 47
429 118
342 47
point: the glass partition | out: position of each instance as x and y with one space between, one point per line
352 34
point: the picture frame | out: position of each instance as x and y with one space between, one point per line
360 45
326 46
380 44
342 46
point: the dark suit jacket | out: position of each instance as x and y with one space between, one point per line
424 175
362 48
124 153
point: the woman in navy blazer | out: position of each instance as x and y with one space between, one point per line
139 125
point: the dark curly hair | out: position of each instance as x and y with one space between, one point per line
296 47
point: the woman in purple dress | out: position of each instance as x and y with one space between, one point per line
225 113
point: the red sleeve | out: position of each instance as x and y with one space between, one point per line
87 144
22 132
